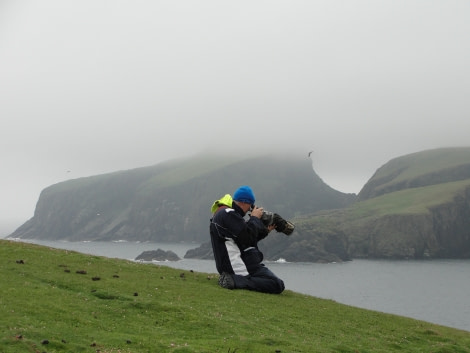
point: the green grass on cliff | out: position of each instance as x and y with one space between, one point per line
408 201
421 163
61 301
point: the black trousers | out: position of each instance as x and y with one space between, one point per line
260 280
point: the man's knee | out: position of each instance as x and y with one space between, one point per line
280 287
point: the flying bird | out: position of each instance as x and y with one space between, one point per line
310 153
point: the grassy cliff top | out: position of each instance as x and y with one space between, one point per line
409 201
418 169
61 301
424 162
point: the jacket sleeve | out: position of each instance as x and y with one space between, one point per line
252 231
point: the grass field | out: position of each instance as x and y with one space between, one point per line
61 301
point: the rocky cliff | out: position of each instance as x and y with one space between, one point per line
442 231
414 207
171 201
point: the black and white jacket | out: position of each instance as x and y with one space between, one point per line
235 240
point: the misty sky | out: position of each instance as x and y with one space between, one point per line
93 86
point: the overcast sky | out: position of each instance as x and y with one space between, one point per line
92 86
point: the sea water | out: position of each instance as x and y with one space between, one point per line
436 291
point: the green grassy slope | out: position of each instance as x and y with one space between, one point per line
419 169
408 201
425 162
120 306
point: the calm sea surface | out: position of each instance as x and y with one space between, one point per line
436 291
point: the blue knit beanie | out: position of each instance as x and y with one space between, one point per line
244 194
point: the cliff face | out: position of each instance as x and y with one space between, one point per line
82 209
442 232
414 207
327 245
171 201
451 227
394 237
422 208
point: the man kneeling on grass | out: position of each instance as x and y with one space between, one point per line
235 244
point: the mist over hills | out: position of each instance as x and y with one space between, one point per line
171 201
414 206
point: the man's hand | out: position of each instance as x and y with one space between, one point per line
271 227
257 212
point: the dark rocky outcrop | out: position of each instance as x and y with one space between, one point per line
305 245
204 252
310 244
157 255
452 219
442 231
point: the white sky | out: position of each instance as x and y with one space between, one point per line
93 86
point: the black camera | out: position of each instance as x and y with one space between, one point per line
282 226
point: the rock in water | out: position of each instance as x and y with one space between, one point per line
158 255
